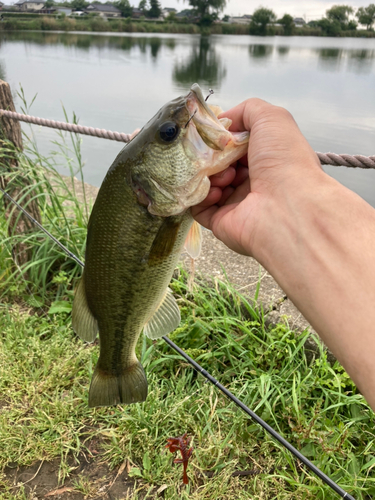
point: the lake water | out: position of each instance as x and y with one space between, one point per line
118 81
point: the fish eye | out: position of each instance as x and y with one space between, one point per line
169 131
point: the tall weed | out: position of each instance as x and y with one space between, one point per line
64 214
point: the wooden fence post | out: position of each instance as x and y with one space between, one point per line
17 224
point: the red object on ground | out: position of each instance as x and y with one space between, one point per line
181 444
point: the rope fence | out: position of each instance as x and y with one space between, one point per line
69 127
336 160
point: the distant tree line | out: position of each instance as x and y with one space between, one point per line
337 19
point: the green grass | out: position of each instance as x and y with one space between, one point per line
45 372
65 214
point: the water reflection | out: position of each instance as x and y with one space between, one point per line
204 62
359 61
330 53
283 50
331 59
2 71
155 44
362 54
86 42
170 43
203 65
260 51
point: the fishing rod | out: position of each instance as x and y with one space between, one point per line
327 480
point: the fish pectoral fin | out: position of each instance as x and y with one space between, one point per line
193 242
165 319
83 322
164 241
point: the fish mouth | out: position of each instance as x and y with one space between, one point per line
210 148
211 130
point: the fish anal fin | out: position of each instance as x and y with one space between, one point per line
83 322
164 241
165 319
107 389
193 242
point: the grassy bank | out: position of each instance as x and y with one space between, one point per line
45 371
50 22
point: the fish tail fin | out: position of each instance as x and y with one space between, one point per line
108 389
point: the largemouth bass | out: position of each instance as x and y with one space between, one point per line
137 228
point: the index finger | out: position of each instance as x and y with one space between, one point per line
245 114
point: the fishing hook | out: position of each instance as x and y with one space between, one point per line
192 116
210 92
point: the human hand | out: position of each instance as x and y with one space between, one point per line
279 165
313 235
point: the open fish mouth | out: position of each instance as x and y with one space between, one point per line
212 130
191 144
210 147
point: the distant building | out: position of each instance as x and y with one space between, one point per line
1 5
64 10
168 10
188 13
47 10
299 22
246 19
137 13
104 10
29 5
78 13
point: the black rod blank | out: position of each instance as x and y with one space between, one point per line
261 422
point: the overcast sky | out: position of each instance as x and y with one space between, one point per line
311 9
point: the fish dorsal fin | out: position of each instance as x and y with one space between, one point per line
83 322
165 319
193 242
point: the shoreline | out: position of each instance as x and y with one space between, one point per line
97 25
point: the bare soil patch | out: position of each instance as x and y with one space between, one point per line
89 478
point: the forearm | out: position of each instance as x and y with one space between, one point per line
319 244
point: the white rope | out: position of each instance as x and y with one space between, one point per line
337 160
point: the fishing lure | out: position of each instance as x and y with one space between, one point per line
181 443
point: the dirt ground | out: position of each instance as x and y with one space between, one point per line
89 478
